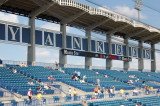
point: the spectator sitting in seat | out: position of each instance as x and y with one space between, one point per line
96 91
121 92
135 92
130 82
14 70
137 80
114 79
102 90
51 79
106 76
75 94
30 83
39 98
96 72
70 91
39 89
132 76
113 89
148 75
46 86
109 92
144 82
75 73
39 95
22 64
74 77
138 104
78 74
84 103
84 77
125 72
147 90
158 91
98 82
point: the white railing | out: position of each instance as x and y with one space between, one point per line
98 67
74 66
70 65
13 62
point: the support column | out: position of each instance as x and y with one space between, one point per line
62 57
153 61
31 49
88 60
108 61
126 64
141 60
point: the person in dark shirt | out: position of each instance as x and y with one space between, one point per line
1 61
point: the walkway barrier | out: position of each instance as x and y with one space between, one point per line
53 65
4 94
59 100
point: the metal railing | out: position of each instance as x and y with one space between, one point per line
53 65
60 100
5 94
13 62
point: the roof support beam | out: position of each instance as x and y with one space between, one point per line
41 3
118 29
94 25
2 2
41 9
157 41
135 34
149 37
73 17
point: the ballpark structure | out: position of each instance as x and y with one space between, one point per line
72 13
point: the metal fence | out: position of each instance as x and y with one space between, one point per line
60 100
53 65
4 94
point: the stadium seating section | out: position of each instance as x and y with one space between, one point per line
18 82
104 82
117 79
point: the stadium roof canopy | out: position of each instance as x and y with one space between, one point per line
82 16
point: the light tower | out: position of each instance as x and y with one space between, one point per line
138 7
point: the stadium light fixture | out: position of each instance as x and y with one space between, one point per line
138 7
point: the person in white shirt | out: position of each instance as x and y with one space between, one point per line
98 82
135 92
30 83
84 77
70 91
29 94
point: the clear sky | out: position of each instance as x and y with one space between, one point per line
125 7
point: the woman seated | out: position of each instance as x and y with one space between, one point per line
30 83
